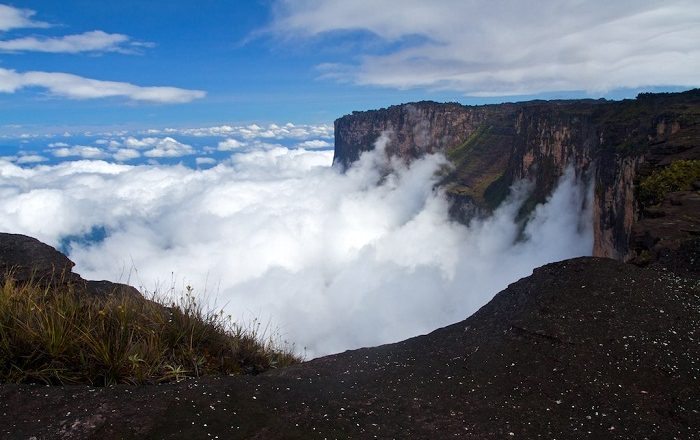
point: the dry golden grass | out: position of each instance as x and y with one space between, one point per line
60 335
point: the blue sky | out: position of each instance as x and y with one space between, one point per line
214 46
311 61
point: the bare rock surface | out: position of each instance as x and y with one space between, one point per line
667 229
584 348
26 258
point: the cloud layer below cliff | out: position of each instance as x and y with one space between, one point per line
510 47
337 261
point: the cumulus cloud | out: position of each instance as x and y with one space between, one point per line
202 161
515 47
337 261
314 143
111 143
78 87
126 154
93 41
127 149
86 152
230 144
15 18
160 147
169 147
252 131
30 159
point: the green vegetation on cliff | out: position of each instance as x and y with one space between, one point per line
479 164
57 335
679 176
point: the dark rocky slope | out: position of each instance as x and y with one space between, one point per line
27 258
585 348
613 142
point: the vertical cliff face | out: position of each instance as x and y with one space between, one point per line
491 147
413 129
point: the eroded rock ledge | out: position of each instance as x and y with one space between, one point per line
26 258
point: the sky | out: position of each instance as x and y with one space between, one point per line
310 61
174 143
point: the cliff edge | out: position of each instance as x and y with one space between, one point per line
583 348
615 143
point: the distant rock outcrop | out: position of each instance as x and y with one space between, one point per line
27 259
613 142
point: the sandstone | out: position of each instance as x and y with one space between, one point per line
614 143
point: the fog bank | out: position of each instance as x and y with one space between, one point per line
336 261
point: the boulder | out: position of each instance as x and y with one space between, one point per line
27 259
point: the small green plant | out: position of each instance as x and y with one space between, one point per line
59 335
173 372
679 176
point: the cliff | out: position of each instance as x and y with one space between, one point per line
615 143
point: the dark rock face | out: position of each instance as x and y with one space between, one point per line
493 146
584 348
26 258
415 129
668 229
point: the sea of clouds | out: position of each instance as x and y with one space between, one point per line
198 146
333 260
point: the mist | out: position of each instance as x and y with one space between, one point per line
332 260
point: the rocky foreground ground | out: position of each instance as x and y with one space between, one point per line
584 348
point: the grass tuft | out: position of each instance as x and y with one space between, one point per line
56 334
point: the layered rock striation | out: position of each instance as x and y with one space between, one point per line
614 143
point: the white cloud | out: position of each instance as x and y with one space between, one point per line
133 142
200 161
280 234
167 147
314 143
252 131
158 147
125 154
58 144
515 47
85 152
15 18
93 41
126 150
230 144
31 158
77 87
